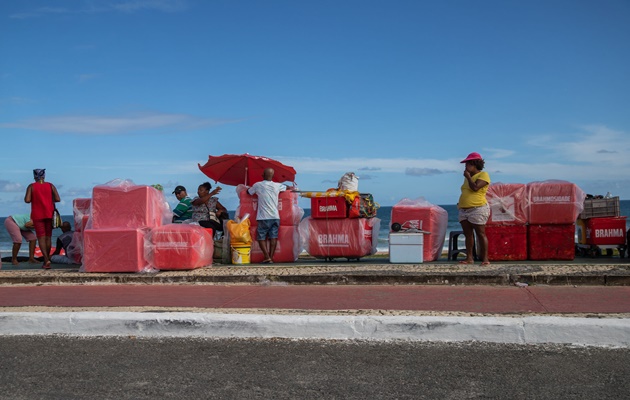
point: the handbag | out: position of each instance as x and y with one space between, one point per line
212 216
56 219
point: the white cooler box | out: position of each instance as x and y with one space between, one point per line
405 247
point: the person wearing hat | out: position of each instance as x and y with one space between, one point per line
473 207
42 196
183 210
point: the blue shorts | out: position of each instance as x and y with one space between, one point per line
267 228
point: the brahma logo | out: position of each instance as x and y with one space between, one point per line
610 233
333 240
324 209
552 199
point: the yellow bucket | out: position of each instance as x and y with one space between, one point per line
240 254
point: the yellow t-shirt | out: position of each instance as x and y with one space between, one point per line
469 198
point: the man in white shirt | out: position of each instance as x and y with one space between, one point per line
267 215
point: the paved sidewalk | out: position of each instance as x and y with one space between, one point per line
483 300
585 302
370 270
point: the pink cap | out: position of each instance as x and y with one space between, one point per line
472 156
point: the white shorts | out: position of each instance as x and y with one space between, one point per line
475 215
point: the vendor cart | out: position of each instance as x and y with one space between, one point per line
599 235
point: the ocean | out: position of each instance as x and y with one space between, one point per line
383 213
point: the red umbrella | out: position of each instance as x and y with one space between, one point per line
234 169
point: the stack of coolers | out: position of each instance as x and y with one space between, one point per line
506 228
129 230
421 231
553 207
600 227
288 245
340 228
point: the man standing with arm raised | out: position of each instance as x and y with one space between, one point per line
267 216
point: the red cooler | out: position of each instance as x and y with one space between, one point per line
333 238
81 213
132 206
114 250
602 231
507 242
180 247
287 248
554 202
551 242
420 214
507 203
329 207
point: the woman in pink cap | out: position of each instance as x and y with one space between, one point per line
473 207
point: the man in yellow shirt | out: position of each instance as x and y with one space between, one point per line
473 207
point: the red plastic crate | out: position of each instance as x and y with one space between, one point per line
329 207
290 211
602 231
287 247
114 250
426 216
347 237
507 203
180 247
554 202
507 242
551 242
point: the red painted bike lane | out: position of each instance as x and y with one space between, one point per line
474 299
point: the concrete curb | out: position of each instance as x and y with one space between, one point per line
325 279
606 332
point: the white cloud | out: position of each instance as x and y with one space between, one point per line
113 125
87 77
94 7
594 145
7 186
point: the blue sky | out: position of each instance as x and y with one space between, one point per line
396 91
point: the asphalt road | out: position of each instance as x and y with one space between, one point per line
131 368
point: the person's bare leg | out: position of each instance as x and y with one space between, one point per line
469 235
480 230
263 248
44 246
272 248
14 253
31 251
